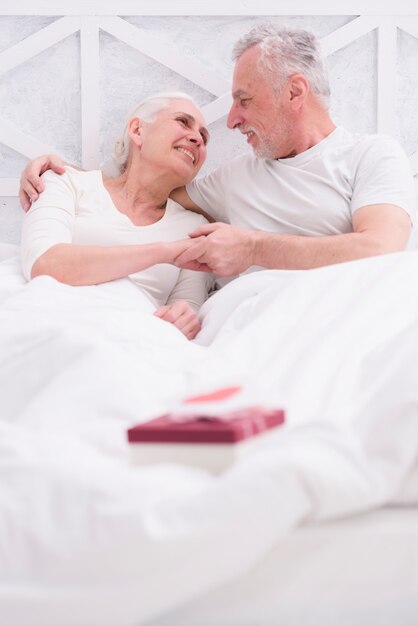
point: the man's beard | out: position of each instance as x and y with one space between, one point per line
274 147
267 149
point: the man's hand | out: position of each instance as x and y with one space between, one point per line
174 249
182 316
30 183
219 248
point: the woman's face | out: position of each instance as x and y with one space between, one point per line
176 138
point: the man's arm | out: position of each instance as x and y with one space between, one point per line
228 250
181 196
31 184
377 229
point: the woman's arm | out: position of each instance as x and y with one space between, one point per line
47 247
183 303
191 286
74 264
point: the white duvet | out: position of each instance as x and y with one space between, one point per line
86 539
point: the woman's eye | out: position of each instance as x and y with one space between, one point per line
182 120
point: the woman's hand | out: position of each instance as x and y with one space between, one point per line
182 316
30 183
219 248
173 249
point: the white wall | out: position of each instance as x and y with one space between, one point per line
70 72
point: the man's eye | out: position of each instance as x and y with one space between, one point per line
244 101
182 120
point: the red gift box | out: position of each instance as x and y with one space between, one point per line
209 441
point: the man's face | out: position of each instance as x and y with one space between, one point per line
257 111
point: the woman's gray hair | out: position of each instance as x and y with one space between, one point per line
147 110
284 52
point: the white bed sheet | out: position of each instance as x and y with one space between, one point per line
86 539
360 571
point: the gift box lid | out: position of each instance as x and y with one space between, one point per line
227 428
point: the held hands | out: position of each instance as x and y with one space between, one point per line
182 316
219 248
30 183
173 249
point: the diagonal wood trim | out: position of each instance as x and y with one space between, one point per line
349 32
22 143
9 186
38 42
409 25
218 108
168 56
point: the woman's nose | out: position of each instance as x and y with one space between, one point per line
195 137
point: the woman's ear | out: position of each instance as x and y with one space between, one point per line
299 89
135 127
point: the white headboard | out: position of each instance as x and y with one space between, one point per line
70 70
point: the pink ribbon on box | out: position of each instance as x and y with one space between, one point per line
214 396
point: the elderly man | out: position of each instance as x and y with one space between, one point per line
311 194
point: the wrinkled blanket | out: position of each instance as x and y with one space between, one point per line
88 539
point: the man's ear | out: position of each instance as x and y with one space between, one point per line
135 127
299 89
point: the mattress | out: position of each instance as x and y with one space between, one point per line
361 571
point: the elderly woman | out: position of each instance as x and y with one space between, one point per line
86 229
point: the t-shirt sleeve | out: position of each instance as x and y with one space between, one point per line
49 221
210 194
384 176
192 287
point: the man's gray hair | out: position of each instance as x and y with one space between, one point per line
147 110
286 51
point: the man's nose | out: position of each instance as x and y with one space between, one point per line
233 120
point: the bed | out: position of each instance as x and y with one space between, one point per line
361 570
318 526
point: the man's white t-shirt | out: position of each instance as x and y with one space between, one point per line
314 193
77 208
